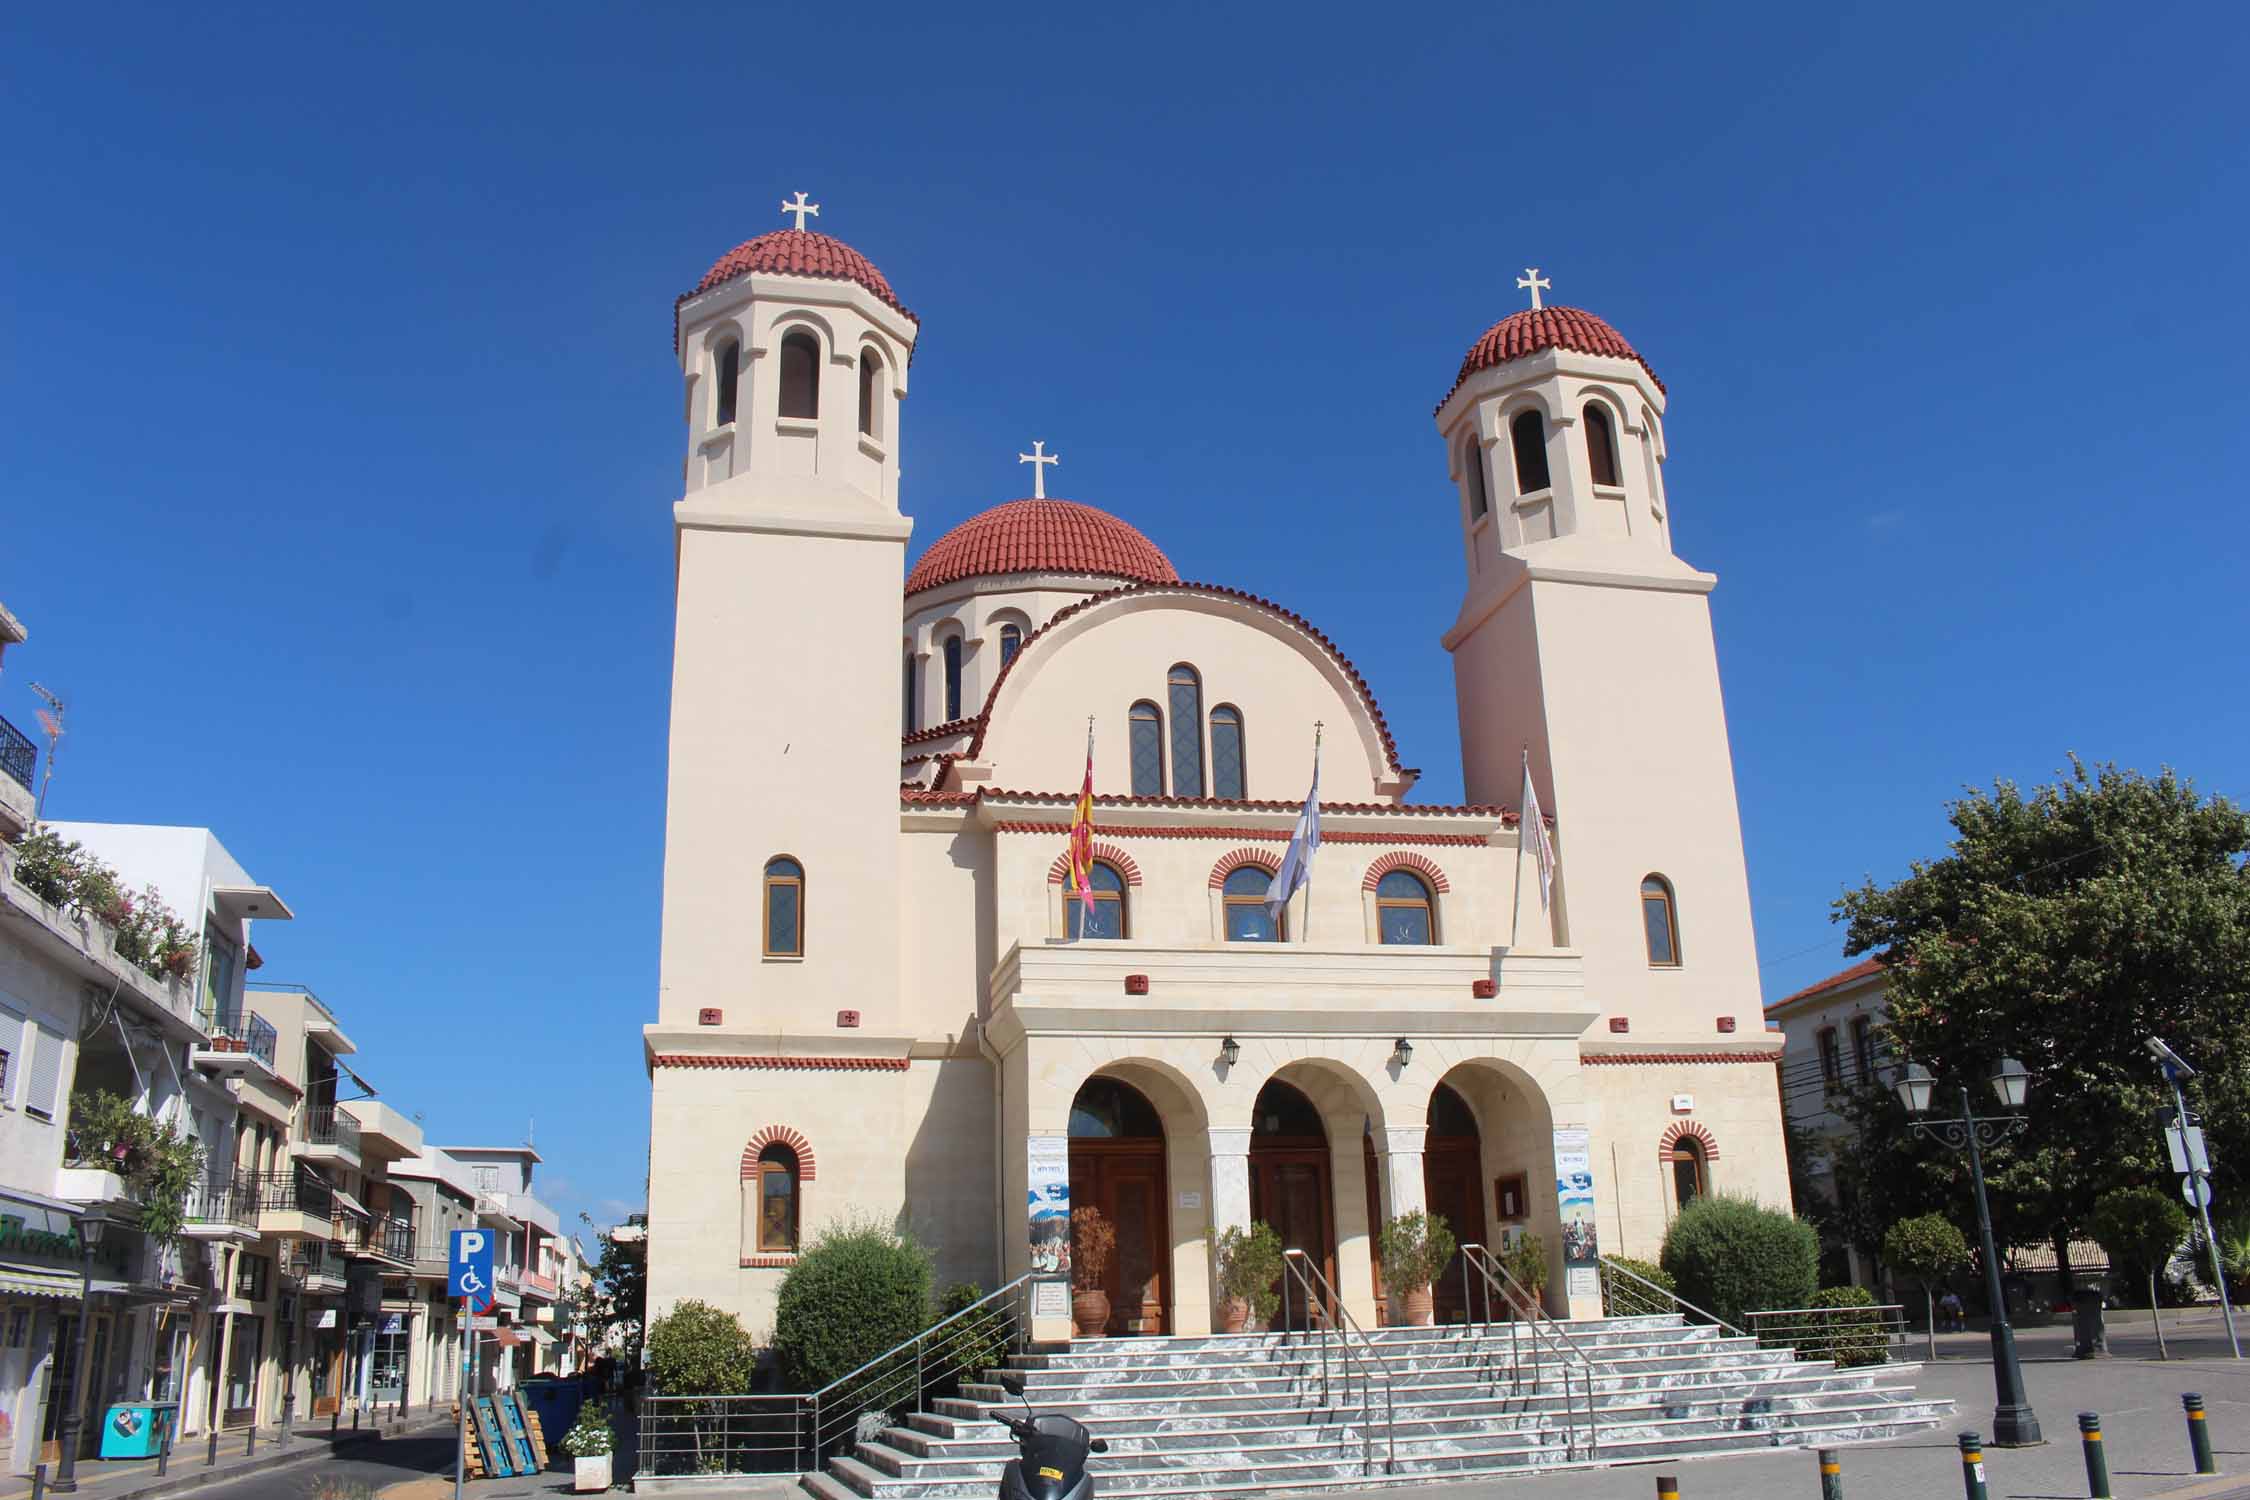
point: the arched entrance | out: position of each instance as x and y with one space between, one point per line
1290 1186
1453 1187
1117 1166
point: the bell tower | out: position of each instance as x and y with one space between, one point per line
1584 640
790 553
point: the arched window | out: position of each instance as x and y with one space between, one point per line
1527 435
1472 465
1226 752
1249 919
870 387
777 1199
909 695
952 678
728 384
1146 749
1107 1109
1187 731
1690 1171
1102 917
1661 923
1601 445
1011 641
800 375
1404 912
785 908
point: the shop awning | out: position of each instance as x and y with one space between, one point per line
37 1281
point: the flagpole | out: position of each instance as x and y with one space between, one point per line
1515 914
1305 935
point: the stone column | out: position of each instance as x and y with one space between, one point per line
1398 1150
1230 1198
1355 1235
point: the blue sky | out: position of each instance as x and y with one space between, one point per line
340 422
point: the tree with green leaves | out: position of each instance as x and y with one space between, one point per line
2140 1229
612 1305
1928 1248
2062 927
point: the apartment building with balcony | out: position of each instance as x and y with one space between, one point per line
528 1264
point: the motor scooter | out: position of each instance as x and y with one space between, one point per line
1053 1450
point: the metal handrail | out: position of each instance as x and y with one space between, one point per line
1297 1265
1681 1305
1545 1332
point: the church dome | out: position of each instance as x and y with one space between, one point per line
799 252
1538 328
1042 536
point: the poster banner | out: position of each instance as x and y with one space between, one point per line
1574 1194
1049 1158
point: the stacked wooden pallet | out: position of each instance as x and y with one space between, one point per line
505 1437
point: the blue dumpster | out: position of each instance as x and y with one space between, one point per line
557 1402
137 1429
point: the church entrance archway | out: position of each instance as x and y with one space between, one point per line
1453 1189
1290 1178
1117 1165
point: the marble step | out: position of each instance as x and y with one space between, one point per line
1041 1371
1341 1469
1281 1373
1210 1343
1398 1343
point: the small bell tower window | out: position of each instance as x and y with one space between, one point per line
870 391
1527 435
1472 465
728 383
800 375
1601 446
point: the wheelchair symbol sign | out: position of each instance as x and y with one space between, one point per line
469 1269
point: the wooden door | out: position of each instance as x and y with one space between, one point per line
1290 1192
1453 1184
1126 1180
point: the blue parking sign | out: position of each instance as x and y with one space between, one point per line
469 1269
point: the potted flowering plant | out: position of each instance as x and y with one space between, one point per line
590 1444
1416 1247
1093 1240
1249 1269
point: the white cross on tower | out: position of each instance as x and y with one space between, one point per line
800 208
1530 279
1038 458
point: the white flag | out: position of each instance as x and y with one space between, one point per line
1296 865
1534 830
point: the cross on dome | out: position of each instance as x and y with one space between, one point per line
800 208
1530 280
1038 458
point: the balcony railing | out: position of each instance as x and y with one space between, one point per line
331 1127
306 1259
230 1200
18 756
281 1192
390 1238
237 1031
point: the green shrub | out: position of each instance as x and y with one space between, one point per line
1928 1249
1846 1339
1526 1260
1249 1267
1415 1247
856 1291
977 1343
1624 1298
2139 1229
1731 1256
700 1350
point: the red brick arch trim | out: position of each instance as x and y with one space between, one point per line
1419 864
1264 859
1108 854
1687 1130
778 1135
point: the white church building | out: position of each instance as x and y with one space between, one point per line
875 1001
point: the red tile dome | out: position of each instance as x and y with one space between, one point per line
799 252
1538 328
1041 536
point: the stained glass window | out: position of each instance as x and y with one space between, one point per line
1662 923
1226 752
1403 911
1187 731
785 908
1248 918
1146 748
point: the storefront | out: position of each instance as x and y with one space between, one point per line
42 1266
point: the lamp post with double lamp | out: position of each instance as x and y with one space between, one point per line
2014 1424
90 1232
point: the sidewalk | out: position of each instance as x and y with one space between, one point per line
117 1479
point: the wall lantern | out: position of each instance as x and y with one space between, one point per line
1230 1052
1403 1053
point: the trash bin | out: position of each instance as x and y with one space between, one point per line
137 1429
557 1403
2088 1326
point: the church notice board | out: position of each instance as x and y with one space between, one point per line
1574 1190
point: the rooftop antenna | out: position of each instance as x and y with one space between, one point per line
530 1130
51 721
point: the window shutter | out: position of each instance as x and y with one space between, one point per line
45 1077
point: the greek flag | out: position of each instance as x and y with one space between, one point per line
1296 865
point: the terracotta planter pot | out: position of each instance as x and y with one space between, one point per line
1420 1310
1234 1315
1089 1313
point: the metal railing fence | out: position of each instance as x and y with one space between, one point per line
331 1127
1850 1336
714 1435
1628 1294
1491 1274
295 1191
240 1031
18 756
1330 1324
222 1200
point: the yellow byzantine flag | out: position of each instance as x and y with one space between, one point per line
1081 887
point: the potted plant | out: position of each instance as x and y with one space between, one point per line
1416 1247
1526 1261
1093 1240
590 1444
1249 1265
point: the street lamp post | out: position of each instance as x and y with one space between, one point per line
2014 1424
90 1231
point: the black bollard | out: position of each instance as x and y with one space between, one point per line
335 1415
164 1451
212 1457
38 1481
355 1419
2199 1433
1667 1487
2097 1462
250 1441
1831 1475
1972 1467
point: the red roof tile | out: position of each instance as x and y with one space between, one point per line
1836 981
799 252
1042 536
1538 328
